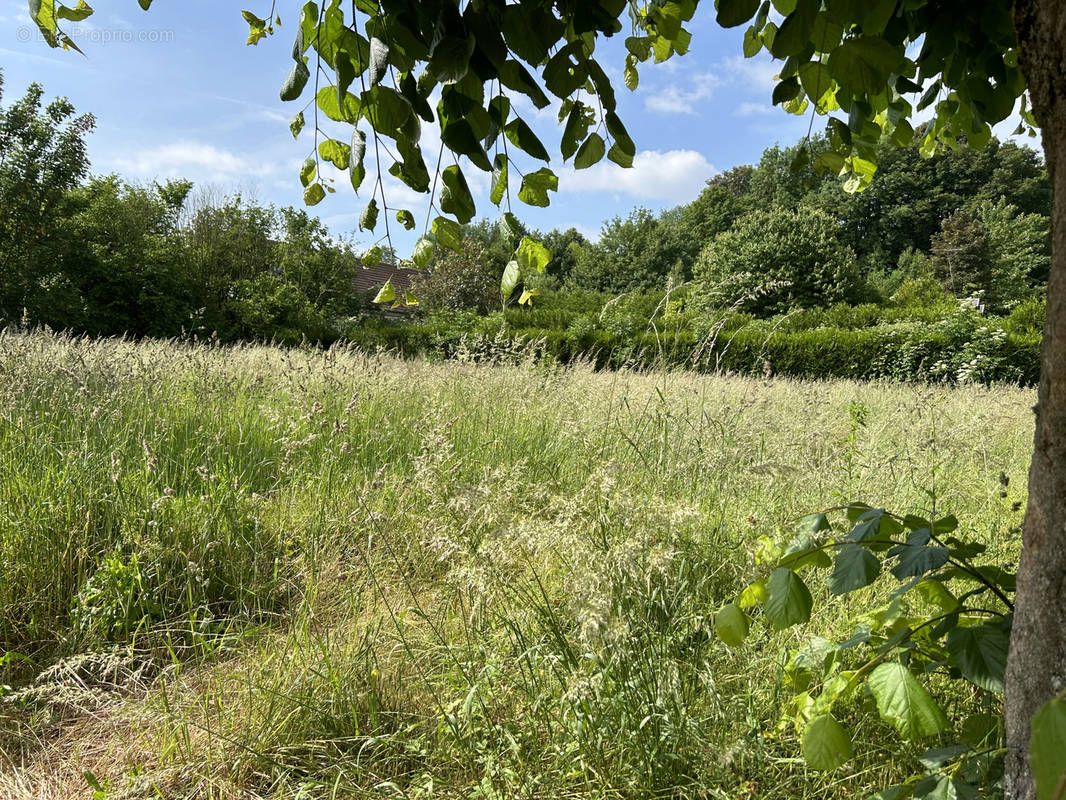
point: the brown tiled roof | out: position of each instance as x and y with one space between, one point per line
372 278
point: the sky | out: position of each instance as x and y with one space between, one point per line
176 92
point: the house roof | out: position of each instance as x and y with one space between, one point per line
371 278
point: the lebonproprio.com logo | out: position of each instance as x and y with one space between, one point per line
93 36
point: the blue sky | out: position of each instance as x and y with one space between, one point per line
177 93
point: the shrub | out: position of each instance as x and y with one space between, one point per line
773 261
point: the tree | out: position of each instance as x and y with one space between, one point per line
988 249
772 261
42 157
969 62
638 252
461 281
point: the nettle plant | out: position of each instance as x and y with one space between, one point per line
946 619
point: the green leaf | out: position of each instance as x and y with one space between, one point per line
752 42
521 135
386 294
1047 753
753 594
794 33
387 109
406 218
815 79
515 76
358 148
915 559
296 125
295 83
460 138
826 745
735 12
590 152
512 276
423 253
731 625
329 105
307 171
905 703
257 28
855 568
527 297
81 11
532 256
450 58
448 233
863 64
372 257
980 653
368 220
535 187
630 74
509 227
314 194
455 197
788 600
379 60
578 122
336 153
499 179
622 140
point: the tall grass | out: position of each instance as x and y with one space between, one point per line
254 572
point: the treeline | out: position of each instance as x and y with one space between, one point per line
100 256
771 238
936 271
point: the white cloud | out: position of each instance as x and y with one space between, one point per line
756 73
191 159
677 100
674 176
750 109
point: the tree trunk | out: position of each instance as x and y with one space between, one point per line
1036 668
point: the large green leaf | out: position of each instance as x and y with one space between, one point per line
590 152
423 253
905 703
337 153
914 558
455 197
855 567
514 76
536 185
521 135
788 600
448 233
980 653
826 745
297 80
532 256
499 179
731 625
512 276
735 12
864 64
368 220
1047 750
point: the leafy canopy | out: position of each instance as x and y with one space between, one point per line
868 64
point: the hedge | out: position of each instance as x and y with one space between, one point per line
909 351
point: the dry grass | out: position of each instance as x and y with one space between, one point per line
344 575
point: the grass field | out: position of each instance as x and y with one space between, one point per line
260 573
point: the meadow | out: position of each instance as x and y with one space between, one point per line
254 572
